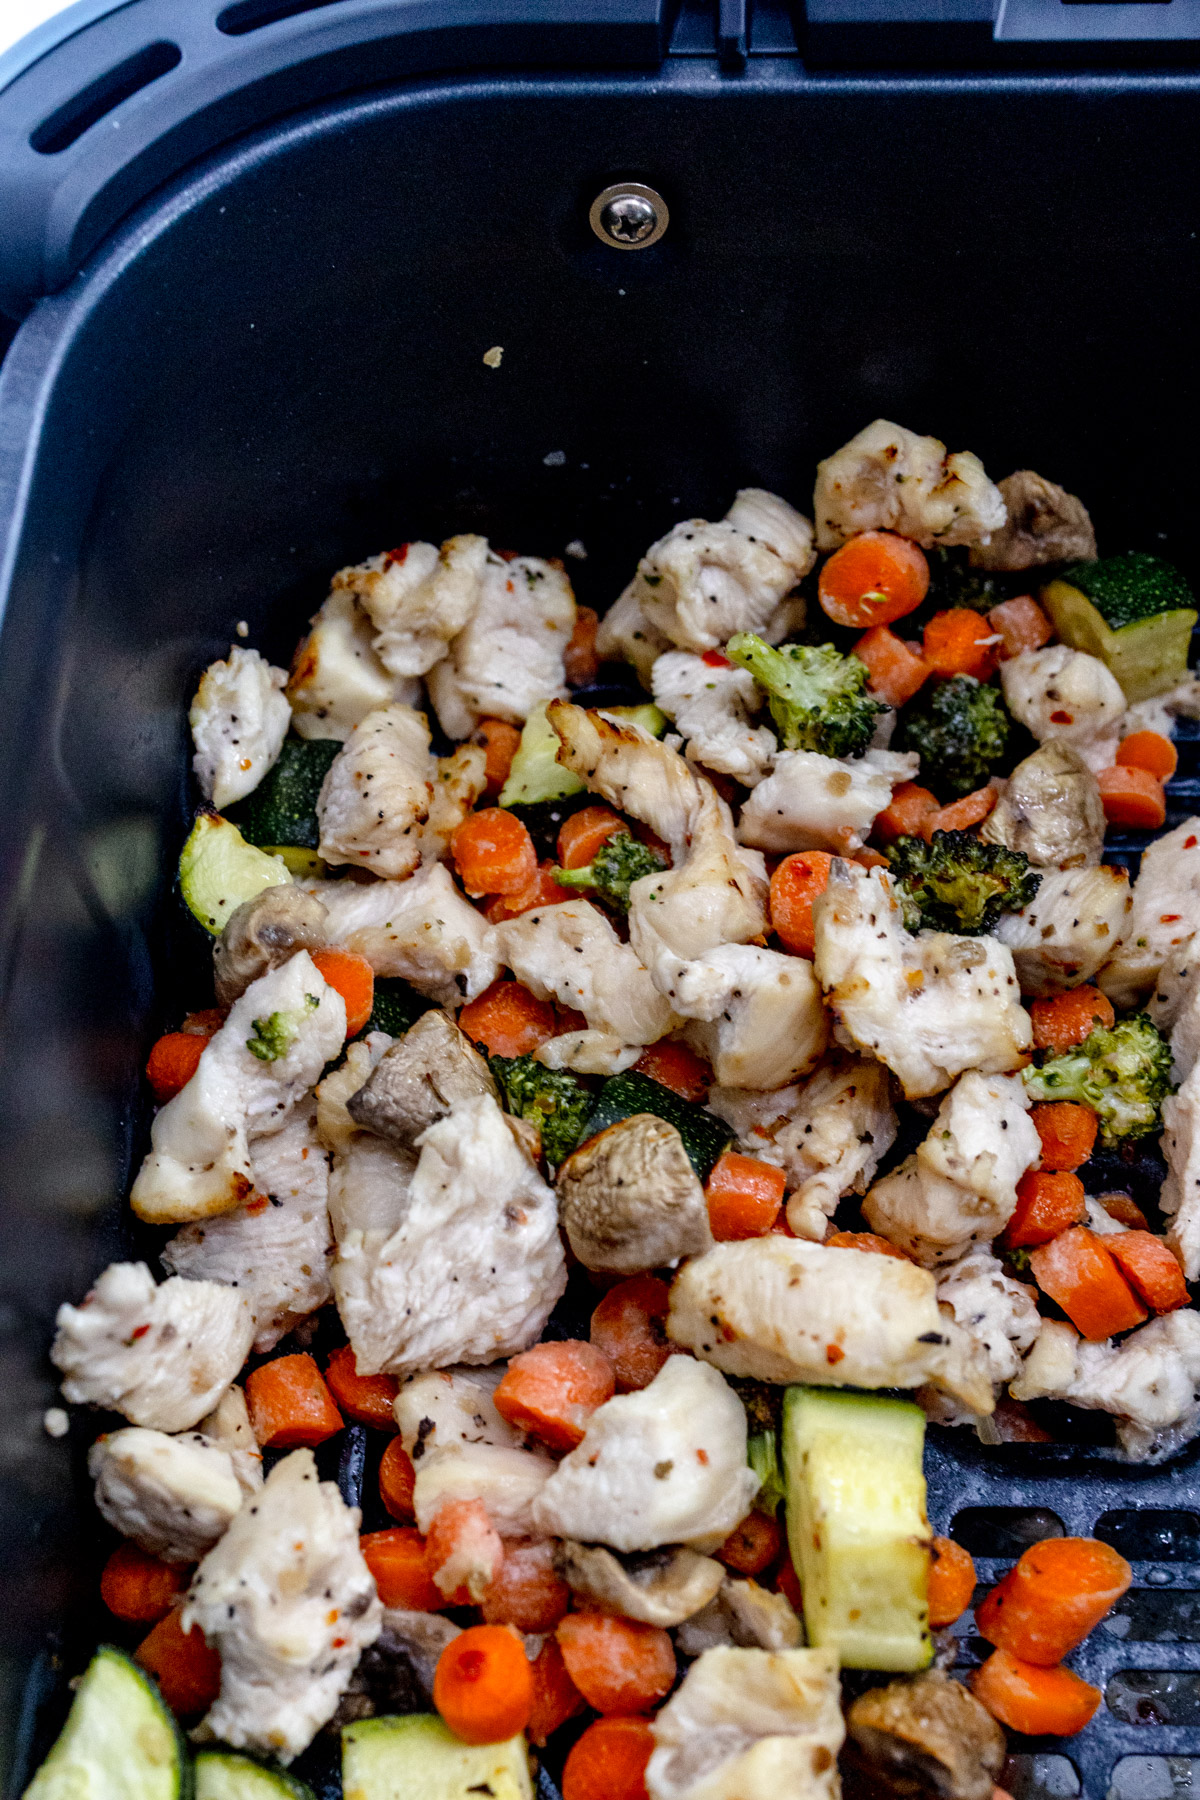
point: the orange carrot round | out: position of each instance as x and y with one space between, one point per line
527 1591
500 741
1078 1271
864 1240
1066 1020
540 890
1124 1209
1038 1702
354 979
1052 1598
508 1021
1151 751
787 1583
1021 625
463 1551
618 1665
365 1398
580 660
1048 1201
396 1559
894 671
951 1582
290 1403
677 1067
555 1696
609 1761
960 815
139 1587
960 642
796 883
397 1479
1150 1269
585 833
1132 797
1068 1133
493 852
751 1546
905 814
553 1389
172 1062
482 1686
184 1664
874 579
629 1326
743 1195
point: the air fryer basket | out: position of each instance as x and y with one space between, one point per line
276 363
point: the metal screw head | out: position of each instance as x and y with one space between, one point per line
629 216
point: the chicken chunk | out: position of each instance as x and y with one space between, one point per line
418 598
664 1465
336 678
889 479
1165 914
239 719
998 1312
458 781
377 794
1149 1381
419 1079
927 1735
772 1027
162 1356
1059 693
630 1199
751 1725
276 1247
174 1496
421 930
262 933
508 1482
227 1427
815 802
1069 930
510 653
462 1449
713 708
254 1072
446 1408
1050 810
572 954
1174 1007
625 634
289 1602
773 522
1045 525
780 1309
474 1266
928 1006
657 1587
1180 1196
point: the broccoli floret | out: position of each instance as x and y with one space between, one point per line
818 697
620 861
1123 1074
275 1035
762 1453
954 583
958 883
960 730
554 1100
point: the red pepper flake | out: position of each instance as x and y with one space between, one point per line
1169 918
259 1204
716 659
398 555
139 1332
339 1643
1190 843
834 1353
1062 718
702 1457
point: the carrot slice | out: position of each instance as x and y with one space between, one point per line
1132 797
906 813
482 1686
1151 751
396 1559
1067 1131
500 741
752 1546
1039 1702
172 1062
744 1196
205 1023
552 1391
580 660
796 883
787 1583
960 642
1066 1020
618 1665
864 1240
397 1479
527 1591
609 1761
354 979
508 1021
1077 1270
365 1398
1050 1600
540 890
1125 1210
290 1403
139 1587
677 1067
960 815
951 1582
895 672
874 579
555 1696
629 1326
586 832
1150 1269
184 1664
493 852
1021 624
463 1551
1048 1202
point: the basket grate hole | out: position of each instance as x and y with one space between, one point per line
1003 1530
1155 1616
1040 1778
1152 1535
252 15
69 122
1154 1696
1155 1778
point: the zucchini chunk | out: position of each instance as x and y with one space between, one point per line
218 870
282 810
537 776
417 1758
857 1528
1135 612
228 1775
120 1741
704 1135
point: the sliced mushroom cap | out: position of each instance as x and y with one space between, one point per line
420 1079
261 934
659 1587
742 1614
630 1199
1051 810
1045 525
927 1736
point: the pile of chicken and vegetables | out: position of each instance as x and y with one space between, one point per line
642 1119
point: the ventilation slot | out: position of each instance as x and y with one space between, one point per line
1040 1778
1003 1530
252 15
1154 1616
1155 1778
1152 1535
1154 1696
69 122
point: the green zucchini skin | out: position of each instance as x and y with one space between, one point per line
120 1741
283 807
231 1775
704 1135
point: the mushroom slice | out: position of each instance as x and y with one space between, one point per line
659 1587
630 1199
927 1735
1051 810
261 934
420 1079
1045 525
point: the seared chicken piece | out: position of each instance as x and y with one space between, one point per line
571 953
254 1072
1059 693
713 708
1149 1381
664 1465
463 1450
1174 1007
458 781
1000 1313
421 930
657 1587
509 655
1166 912
830 1141
377 794
446 1408
625 634
928 1006
780 1309
162 1356
336 678
1050 810
1045 525
262 933
239 719
289 1602
174 1496
630 1199
889 479
418 598
422 1077
771 1025
1180 1196
927 1735
815 802
1069 930
228 1427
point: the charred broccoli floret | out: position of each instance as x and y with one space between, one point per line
960 730
958 883
1123 1074
620 861
818 697
554 1100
